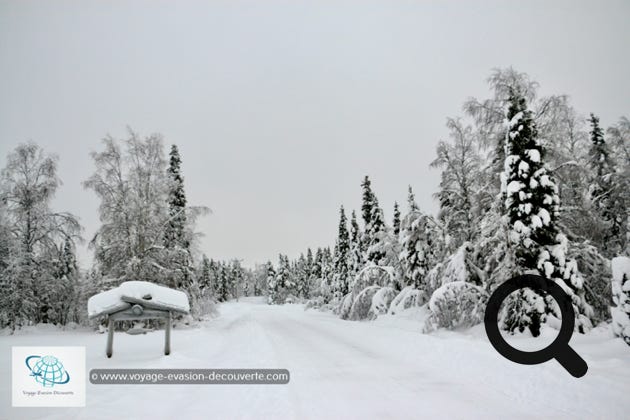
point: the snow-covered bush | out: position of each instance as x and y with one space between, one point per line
595 270
408 297
314 303
343 310
372 275
433 280
456 269
381 302
621 297
363 303
457 304
207 307
460 266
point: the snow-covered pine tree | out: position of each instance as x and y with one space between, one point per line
301 276
341 258
531 203
176 235
374 222
356 253
411 200
223 282
69 277
367 207
175 230
236 278
377 231
327 271
418 245
317 270
396 221
272 285
607 193
309 265
205 277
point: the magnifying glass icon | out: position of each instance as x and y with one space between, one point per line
559 349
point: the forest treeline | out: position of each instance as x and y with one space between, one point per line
528 185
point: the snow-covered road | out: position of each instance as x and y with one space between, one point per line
339 370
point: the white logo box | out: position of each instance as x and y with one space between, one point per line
44 376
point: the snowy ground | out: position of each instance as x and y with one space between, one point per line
339 369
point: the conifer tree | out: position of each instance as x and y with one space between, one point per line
223 283
368 201
205 276
356 255
532 202
301 277
396 221
375 231
176 237
309 267
607 193
341 257
175 234
418 245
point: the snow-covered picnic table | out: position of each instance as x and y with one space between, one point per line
138 300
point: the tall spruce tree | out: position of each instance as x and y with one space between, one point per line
176 238
175 234
417 245
272 284
356 254
375 228
608 193
341 258
205 276
396 221
532 203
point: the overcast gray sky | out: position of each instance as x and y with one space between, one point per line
281 107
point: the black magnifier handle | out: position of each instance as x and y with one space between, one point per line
572 362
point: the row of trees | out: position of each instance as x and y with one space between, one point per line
527 185
146 232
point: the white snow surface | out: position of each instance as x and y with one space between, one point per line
339 370
110 301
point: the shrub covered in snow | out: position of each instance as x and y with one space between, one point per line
381 302
433 279
595 270
408 297
372 275
457 304
314 303
343 310
363 303
621 297
459 267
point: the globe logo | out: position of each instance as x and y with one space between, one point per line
47 370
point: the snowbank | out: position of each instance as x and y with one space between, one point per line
129 292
